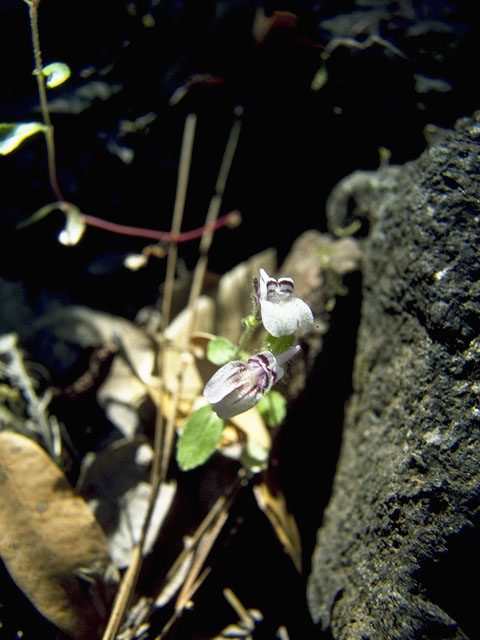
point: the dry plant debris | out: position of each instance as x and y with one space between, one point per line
40 516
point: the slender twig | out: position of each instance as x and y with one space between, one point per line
165 446
174 617
183 172
130 578
238 607
201 545
42 93
197 281
200 557
159 470
211 220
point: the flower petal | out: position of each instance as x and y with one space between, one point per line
239 386
226 380
279 319
263 284
304 315
236 403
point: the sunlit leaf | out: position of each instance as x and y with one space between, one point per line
273 408
279 345
254 456
74 227
250 321
38 215
320 78
56 73
200 436
135 261
13 134
220 351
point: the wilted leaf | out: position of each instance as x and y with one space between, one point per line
272 408
89 328
178 356
56 73
320 78
74 227
220 351
115 482
135 261
13 134
258 440
49 539
121 395
199 438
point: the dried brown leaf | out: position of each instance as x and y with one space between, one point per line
50 542
283 523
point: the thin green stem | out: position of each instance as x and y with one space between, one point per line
248 330
42 93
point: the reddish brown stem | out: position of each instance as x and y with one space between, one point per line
231 219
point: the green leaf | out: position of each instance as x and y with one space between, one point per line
199 438
272 408
220 351
38 215
74 227
279 345
254 456
250 322
13 134
56 73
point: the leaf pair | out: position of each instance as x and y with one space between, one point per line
74 224
13 134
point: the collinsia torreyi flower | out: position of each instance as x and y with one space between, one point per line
281 311
239 385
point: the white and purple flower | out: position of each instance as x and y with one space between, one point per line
239 385
281 311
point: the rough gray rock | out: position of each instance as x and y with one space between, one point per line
397 557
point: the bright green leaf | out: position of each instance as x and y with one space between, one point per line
13 134
56 73
38 215
250 322
272 408
254 456
199 438
220 351
74 227
279 345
